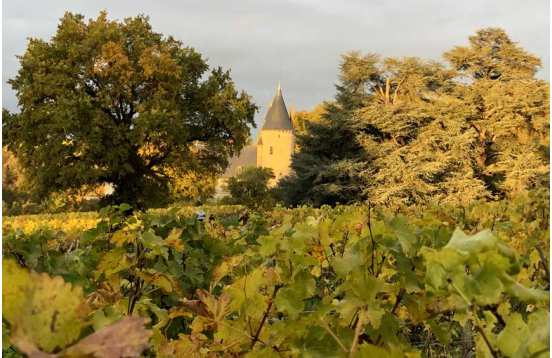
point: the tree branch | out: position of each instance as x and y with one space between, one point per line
395 94
159 159
387 88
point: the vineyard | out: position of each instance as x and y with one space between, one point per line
349 281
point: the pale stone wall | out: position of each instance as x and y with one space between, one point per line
275 152
221 189
260 150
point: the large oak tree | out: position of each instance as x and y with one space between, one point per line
109 101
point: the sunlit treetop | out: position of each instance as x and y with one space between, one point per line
491 54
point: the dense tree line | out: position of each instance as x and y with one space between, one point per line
106 101
115 102
250 187
407 131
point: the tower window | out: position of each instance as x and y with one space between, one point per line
270 151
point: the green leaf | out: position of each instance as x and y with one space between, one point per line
479 242
268 245
443 334
290 299
367 350
363 286
155 244
436 276
538 343
113 262
404 234
525 294
351 260
513 335
489 286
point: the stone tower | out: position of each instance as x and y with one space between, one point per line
276 140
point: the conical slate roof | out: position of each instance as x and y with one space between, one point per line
277 116
246 158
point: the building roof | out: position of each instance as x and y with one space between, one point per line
246 158
277 116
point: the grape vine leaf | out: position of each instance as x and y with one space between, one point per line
519 339
367 350
510 338
482 241
156 245
43 310
113 262
291 298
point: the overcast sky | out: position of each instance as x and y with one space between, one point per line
297 42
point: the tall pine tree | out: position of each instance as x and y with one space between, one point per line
329 166
510 111
413 132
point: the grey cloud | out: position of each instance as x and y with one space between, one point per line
298 42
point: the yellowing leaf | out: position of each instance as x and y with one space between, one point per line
179 312
217 307
15 285
122 237
45 311
113 262
174 241
163 281
224 268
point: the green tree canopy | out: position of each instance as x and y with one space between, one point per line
509 112
108 101
493 55
406 131
299 119
329 162
250 187
192 187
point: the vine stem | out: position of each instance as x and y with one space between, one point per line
398 300
265 315
371 236
480 330
358 329
335 337
137 282
544 262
